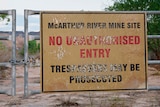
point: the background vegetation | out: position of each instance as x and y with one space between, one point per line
33 48
4 17
153 21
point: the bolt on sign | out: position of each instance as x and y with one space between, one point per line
84 51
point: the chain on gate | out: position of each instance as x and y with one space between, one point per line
31 61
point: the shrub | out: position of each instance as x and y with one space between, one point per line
33 48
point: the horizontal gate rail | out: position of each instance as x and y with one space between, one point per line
5 64
34 37
6 37
153 36
152 12
8 12
8 92
37 37
153 61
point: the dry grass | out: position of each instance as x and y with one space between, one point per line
4 73
67 102
14 101
5 56
5 53
156 73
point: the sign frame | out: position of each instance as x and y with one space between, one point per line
91 12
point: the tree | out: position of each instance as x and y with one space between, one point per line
3 17
153 21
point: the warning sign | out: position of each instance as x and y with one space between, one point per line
83 51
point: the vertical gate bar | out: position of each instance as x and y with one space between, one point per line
26 53
13 52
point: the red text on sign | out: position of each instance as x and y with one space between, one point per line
94 53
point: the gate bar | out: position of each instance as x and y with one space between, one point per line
26 12
5 37
13 52
9 12
32 92
33 12
8 92
35 37
3 92
153 88
153 61
152 12
5 64
153 36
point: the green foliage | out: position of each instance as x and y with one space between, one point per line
134 5
153 21
39 47
33 48
21 52
3 17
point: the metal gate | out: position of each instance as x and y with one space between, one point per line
26 14
12 62
33 12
